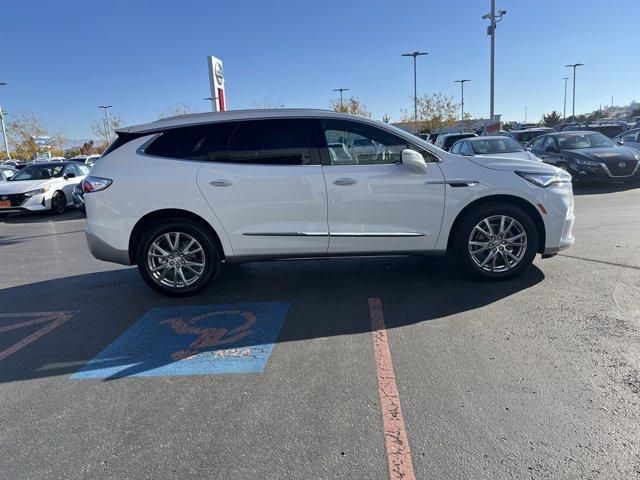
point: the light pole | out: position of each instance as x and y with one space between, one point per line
564 109
574 66
525 114
415 55
4 129
107 127
340 90
491 31
461 82
212 100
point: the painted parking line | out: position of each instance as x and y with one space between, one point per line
194 340
50 321
395 433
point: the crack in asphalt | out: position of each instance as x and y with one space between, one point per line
633 267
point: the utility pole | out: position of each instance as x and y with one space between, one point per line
340 90
574 66
461 82
491 31
4 129
415 55
107 127
525 114
564 109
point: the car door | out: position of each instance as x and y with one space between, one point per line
266 187
376 204
70 182
550 151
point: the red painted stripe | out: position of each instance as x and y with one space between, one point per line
56 318
398 452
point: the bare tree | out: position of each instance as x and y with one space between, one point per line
102 133
177 109
352 106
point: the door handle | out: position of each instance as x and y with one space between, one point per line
345 181
221 183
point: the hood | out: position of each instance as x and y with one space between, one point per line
609 154
511 164
514 155
21 186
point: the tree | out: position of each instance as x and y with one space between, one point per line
386 118
467 124
99 131
267 102
552 119
434 111
352 106
177 109
24 129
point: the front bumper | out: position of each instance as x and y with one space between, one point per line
601 172
22 203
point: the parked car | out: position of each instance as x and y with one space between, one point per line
525 136
432 138
630 138
86 159
42 186
525 126
610 130
179 195
588 156
500 133
14 163
78 196
6 172
446 140
492 147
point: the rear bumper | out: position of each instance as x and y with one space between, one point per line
104 251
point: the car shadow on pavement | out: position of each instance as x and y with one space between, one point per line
327 298
597 188
41 217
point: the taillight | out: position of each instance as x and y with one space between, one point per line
95 184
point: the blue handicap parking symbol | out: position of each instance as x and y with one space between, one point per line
196 340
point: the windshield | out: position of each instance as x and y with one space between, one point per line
584 140
496 145
38 172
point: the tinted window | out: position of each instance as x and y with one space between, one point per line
354 143
196 142
549 142
38 172
496 145
84 169
71 169
456 148
271 142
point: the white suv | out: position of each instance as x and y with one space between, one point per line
181 195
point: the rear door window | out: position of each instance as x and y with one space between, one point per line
271 142
195 142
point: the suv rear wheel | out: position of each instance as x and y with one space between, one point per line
496 242
177 258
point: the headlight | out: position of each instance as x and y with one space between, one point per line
586 162
545 180
39 191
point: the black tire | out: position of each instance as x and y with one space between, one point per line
468 224
58 203
212 256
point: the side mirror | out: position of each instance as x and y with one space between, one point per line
69 175
620 142
414 161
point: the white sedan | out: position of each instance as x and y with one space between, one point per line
492 147
42 187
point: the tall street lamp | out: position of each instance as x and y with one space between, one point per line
564 109
107 127
213 101
340 90
574 66
4 129
415 55
491 31
461 82
525 114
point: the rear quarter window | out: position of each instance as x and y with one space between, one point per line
195 142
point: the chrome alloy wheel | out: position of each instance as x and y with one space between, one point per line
497 243
176 259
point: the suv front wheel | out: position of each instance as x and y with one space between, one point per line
177 258
496 242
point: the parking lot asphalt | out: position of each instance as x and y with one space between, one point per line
533 378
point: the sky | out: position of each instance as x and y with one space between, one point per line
62 59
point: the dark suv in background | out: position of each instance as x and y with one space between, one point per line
446 140
525 136
610 130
